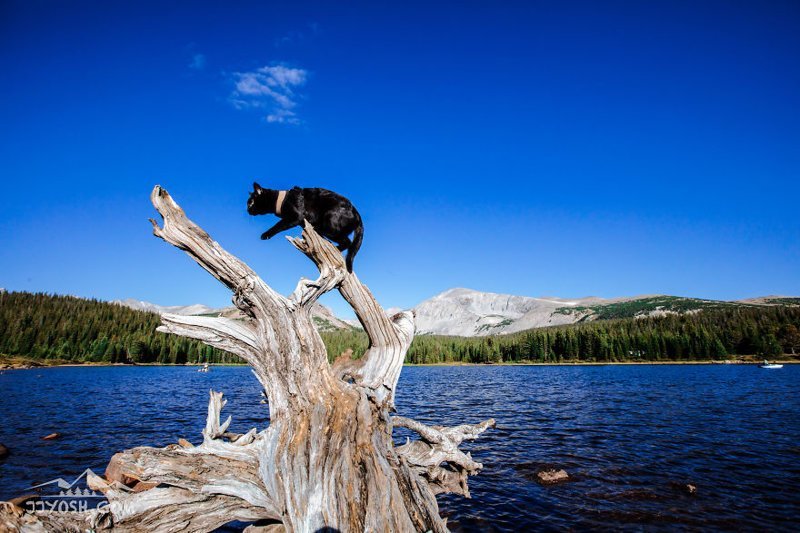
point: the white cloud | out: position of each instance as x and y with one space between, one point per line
270 88
198 62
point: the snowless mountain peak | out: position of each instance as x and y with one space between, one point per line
194 309
322 315
467 312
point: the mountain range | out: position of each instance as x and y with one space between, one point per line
322 315
471 313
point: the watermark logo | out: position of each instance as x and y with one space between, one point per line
60 495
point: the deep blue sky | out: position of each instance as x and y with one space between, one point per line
539 148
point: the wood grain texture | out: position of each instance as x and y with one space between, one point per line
326 460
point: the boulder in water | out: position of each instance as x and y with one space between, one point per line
551 476
544 473
3 452
686 488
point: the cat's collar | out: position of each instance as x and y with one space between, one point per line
279 202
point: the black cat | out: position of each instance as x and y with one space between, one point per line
331 214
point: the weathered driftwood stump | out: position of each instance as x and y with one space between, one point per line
326 460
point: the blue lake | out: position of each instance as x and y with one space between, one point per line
631 437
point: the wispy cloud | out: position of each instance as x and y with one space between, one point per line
289 38
297 37
273 89
198 62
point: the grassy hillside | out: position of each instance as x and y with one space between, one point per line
782 301
645 307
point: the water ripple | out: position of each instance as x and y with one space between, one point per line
631 437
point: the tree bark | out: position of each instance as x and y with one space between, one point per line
326 460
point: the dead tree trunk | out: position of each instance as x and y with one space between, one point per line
326 460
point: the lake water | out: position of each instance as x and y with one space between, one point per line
631 437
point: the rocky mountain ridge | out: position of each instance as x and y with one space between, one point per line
471 313
322 315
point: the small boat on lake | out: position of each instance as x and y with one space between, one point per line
204 368
767 364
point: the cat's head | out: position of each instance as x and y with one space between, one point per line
261 200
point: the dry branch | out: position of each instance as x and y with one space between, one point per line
326 460
438 445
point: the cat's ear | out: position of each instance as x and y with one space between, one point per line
256 186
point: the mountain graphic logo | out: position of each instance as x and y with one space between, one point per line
67 489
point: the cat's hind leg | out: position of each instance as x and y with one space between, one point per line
344 244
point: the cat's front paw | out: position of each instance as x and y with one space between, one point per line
266 236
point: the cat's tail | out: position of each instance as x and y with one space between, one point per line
353 250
